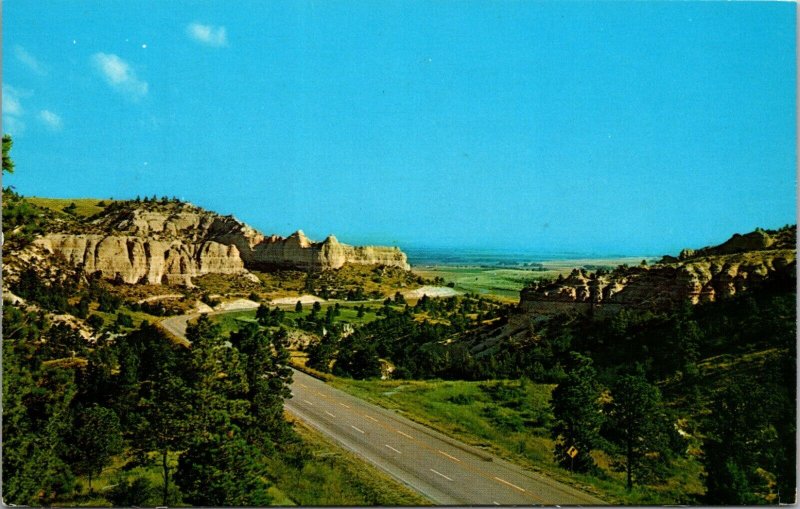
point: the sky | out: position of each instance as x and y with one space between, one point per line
586 127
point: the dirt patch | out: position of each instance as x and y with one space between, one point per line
431 291
305 299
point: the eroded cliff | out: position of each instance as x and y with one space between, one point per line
704 275
171 243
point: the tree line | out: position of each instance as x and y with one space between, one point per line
208 417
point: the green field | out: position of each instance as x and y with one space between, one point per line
84 207
505 282
233 320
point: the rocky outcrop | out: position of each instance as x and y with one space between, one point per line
131 259
172 243
758 240
701 276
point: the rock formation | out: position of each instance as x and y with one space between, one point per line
172 243
704 275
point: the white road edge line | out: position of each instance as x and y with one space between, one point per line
495 502
439 473
407 436
451 457
392 448
308 402
330 414
359 430
508 483
370 417
344 405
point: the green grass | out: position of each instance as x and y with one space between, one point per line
336 477
507 282
111 475
234 320
137 317
500 415
332 477
84 207
512 419
504 283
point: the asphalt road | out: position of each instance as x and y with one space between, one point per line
446 471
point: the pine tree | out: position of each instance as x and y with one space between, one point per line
8 163
637 426
216 378
266 365
96 439
154 402
750 438
223 470
578 415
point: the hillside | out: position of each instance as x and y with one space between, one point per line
703 275
172 242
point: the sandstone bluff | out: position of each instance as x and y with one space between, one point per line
172 243
703 275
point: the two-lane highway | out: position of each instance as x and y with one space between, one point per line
446 471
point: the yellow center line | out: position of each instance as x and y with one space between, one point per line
466 466
451 457
508 483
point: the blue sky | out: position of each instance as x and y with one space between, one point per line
599 127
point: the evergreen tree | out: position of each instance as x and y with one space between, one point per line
749 451
8 163
298 308
165 423
96 438
262 314
358 358
223 470
637 426
216 378
136 493
266 367
321 352
154 402
36 412
578 415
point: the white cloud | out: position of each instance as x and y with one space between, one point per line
11 101
13 110
207 34
50 119
29 60
119 75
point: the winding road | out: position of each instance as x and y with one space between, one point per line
444 470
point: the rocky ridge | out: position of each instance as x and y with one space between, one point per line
171 243
704 275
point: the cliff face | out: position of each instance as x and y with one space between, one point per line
705 275
171 243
